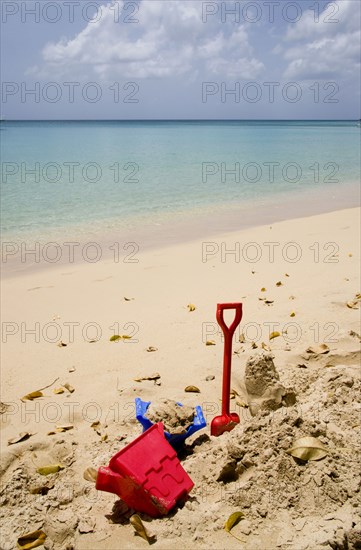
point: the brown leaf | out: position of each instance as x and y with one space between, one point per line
308 448
90 474
69 388
268 302
254 345
292 314
58 390
154 376
192 389
279 283
61 344
353 304
140 529
31 540
242 338
265 347
21 437
128 299
151 348
32 395
263 289
318 350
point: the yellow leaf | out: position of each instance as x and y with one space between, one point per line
353 305
191 307
140 529
254 345
58 390
50 469
292 314
32 395
274 334
193 389
90 474
210 343
265 347
308 448
233 520
117 337
21 437
31 540
69 387
242 338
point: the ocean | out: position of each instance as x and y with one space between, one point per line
81 180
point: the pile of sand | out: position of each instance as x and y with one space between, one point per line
175 418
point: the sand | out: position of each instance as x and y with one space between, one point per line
286 504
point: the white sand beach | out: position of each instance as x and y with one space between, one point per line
285 504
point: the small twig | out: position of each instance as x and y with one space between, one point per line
48 386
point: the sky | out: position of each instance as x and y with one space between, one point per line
180 59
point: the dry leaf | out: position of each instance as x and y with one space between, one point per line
104 437
90 474
140 529
291 297
308 448
317 350
117 337
50 469
292 314
58 390
61 344
3 407
73 369
128 299
32 395
61 429
241 404
268 302
353 305
96 427
265 347
286 275
154 376
279 283
69 388
191 307
242 338
151 348
274 334
233 520
263 289
21 437
193 389
31 540
254 345
210 343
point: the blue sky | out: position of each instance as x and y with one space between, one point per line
174 59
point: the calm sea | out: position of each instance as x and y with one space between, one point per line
81 179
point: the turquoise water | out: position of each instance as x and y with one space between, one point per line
70 178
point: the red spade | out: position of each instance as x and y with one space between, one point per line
227 420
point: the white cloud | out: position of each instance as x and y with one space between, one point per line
328 48
170 39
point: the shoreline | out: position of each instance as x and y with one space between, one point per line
186 227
